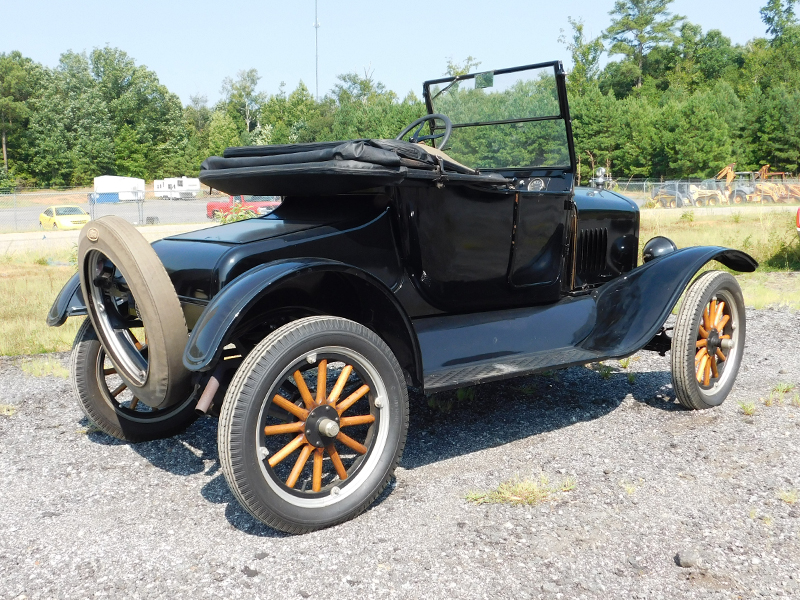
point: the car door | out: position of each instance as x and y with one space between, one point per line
458 244
47 220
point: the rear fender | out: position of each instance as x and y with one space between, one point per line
632 308
239 302
68 303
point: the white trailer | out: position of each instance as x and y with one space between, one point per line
176 188
111 188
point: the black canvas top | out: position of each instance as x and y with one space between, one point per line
328 167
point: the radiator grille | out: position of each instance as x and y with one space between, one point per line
592 245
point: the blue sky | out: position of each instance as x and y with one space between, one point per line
193 45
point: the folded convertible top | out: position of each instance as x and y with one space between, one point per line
327 167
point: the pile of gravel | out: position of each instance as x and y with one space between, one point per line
668 503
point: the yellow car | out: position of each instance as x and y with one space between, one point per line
63 217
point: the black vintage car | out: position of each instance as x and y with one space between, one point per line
389 263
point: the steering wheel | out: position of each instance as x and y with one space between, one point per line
416 137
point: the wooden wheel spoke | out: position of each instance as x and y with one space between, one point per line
110 371
701 344
119 389
290 407
360 420
700 354
701 368
301 385
298 466
703 332
287 450
134 403
351 443
707 374
352 399
718 314
723 321
316 478
714 370
340 383
284 428
337 461
720 355
322 381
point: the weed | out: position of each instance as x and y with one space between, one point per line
788 496
518 491
604 370
45 367
687 216
527 389
631 378
769 400
748 408
467 394
753 513
736 217
442 402
41 260
625 362
783 388
767 520
796 400
629 487
7 410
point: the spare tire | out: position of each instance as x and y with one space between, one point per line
125 286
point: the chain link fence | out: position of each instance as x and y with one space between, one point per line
25 211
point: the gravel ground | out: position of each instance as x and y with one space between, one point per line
86 516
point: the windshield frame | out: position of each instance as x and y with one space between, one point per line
563 105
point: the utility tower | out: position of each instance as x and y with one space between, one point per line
316 47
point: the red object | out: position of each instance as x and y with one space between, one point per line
798 221
222 208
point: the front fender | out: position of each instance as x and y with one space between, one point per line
230 307
631 309
68 303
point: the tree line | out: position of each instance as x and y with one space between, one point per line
672 101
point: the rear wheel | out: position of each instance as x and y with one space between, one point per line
110 404
328 393
708 341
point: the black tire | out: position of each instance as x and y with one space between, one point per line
111 246
119 416
246 451
690 361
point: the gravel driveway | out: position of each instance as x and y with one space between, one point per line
86 516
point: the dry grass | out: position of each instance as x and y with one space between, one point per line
27 290
45 367
788 496
526 491
769 236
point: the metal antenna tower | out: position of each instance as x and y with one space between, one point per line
316 47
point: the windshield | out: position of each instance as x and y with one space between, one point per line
63 211
503 119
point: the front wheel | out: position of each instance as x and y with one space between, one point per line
708 341
313 424
110 404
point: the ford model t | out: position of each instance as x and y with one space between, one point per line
455 254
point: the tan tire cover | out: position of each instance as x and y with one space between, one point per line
168 381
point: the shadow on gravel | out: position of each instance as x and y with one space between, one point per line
441 427
445 425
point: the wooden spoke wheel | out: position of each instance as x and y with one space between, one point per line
313 424
708 341
110 403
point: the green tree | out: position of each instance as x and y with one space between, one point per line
18 78
241 96
585 57
637 27
222 133
777 16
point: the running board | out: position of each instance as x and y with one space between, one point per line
459 350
